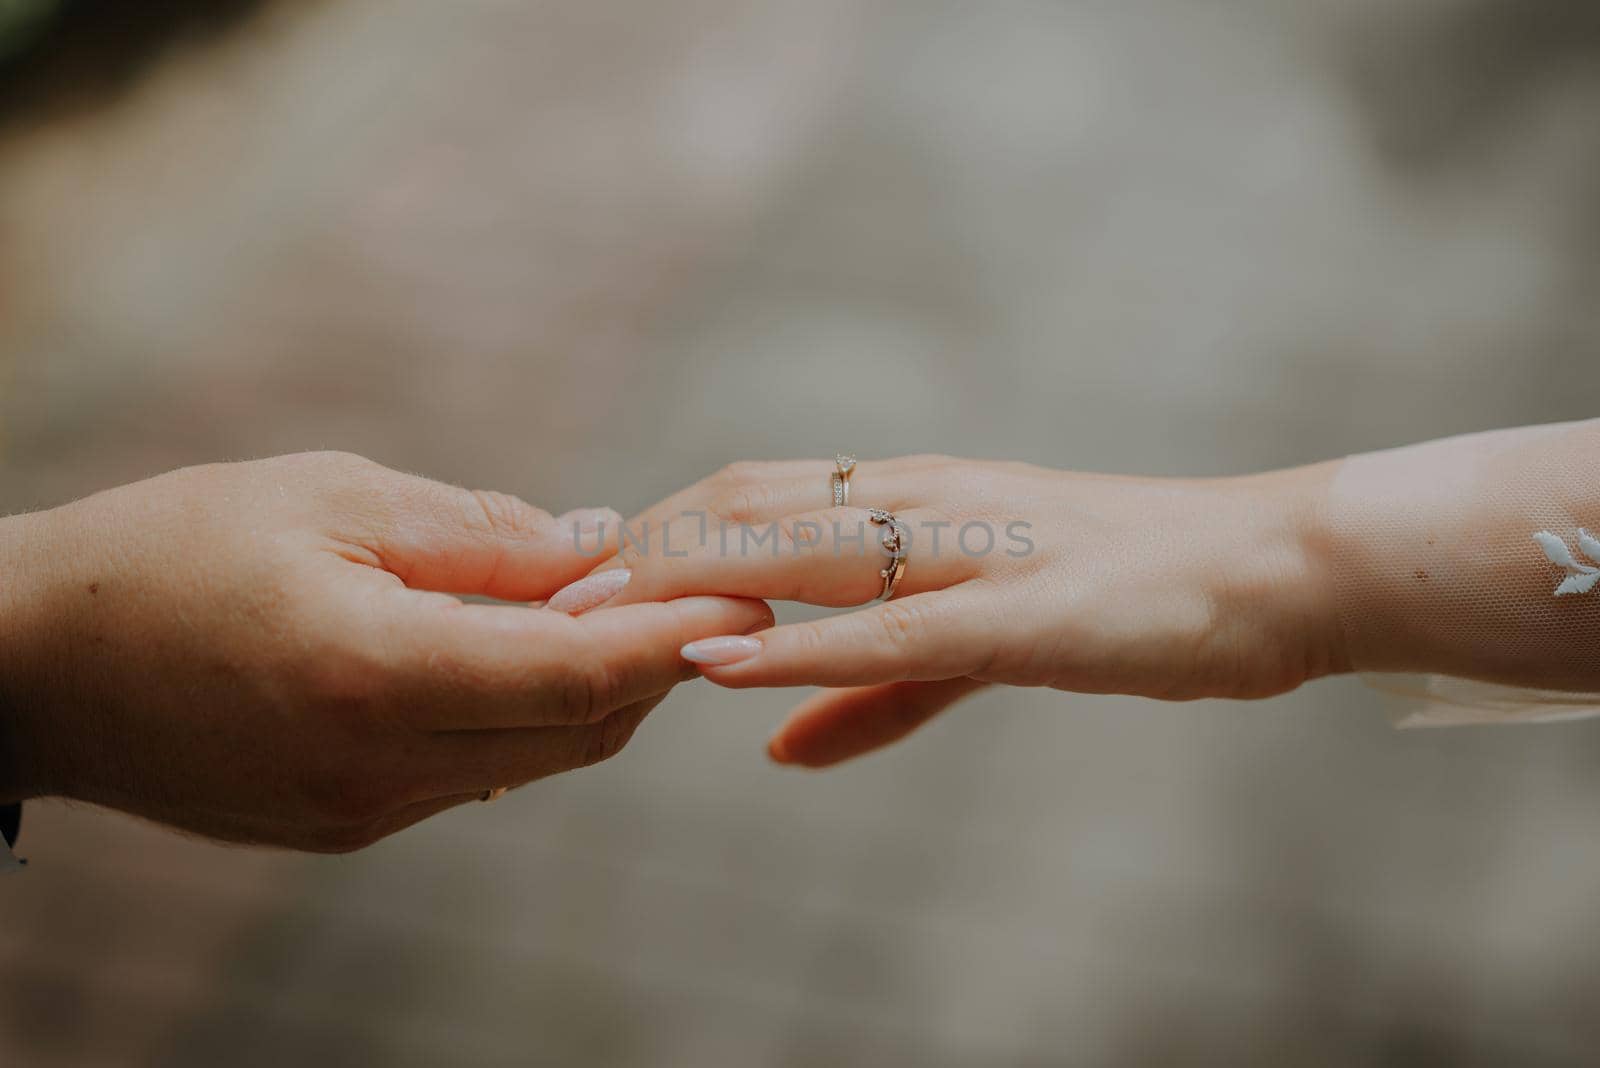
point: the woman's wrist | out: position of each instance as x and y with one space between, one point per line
1279 574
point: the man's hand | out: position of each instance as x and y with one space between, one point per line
252 651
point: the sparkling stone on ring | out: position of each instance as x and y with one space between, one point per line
843 465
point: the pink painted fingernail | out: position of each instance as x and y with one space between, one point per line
727 650
591 592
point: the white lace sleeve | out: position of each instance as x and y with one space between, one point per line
1473 556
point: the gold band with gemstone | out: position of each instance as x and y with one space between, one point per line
843 465
895 545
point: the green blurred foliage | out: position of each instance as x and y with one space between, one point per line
20 23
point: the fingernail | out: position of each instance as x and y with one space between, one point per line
726 650
777 752
591 592
588 520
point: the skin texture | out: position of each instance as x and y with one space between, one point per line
1165 588
270 652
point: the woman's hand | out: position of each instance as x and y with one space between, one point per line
250 651
1166 588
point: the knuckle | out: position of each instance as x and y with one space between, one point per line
341 465
743 503
605 740
342 679
348 482
791 541
587 688
504 515
325 458
739 473
633 554
807 640
902 626
348 461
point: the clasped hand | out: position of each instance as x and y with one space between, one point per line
274 652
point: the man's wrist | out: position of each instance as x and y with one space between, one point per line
25 569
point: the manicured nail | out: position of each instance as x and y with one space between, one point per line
726 650
591 592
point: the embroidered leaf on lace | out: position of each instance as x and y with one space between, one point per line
1581 578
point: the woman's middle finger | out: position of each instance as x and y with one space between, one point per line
834 557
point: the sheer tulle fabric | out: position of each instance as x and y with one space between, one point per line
1450 554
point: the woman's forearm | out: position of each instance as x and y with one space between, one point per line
1438 561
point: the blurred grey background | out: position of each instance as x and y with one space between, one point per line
587 252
